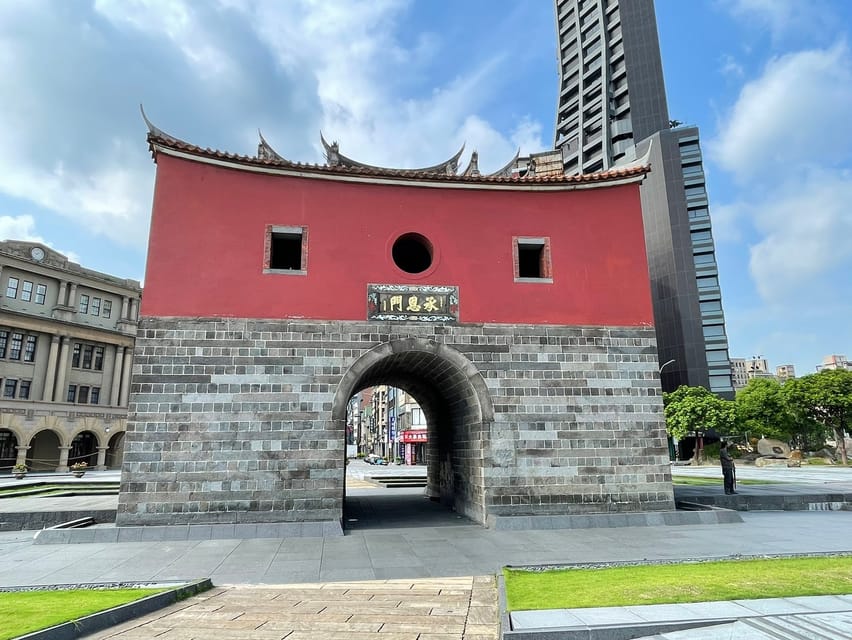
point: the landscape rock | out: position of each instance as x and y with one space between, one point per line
769 447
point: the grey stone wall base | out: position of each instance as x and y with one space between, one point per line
322 529
111 617
790 502
26 520
613 520
243 419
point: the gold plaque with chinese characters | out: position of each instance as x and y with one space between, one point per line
418 303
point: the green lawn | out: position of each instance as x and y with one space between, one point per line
676 583
27 611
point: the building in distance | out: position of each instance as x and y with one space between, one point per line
66 351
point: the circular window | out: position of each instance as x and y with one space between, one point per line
412 253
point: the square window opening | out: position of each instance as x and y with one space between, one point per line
532 259
529 260
286 251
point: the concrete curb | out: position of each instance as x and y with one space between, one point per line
157 533
611 632
623 630
32 520
704 515
104 619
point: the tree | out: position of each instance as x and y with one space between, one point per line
827 398
762 410
689 409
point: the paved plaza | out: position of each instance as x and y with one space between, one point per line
397 535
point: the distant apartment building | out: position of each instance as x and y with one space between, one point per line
612 109
834 362
785 372
413 432
66 352
744 369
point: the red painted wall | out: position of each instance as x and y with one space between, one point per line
206 250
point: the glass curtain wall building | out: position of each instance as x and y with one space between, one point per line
612 109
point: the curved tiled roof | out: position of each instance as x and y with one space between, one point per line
267 158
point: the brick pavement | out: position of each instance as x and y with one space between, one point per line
424 609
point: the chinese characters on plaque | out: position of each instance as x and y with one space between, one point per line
422 303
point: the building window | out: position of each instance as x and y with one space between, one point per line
12 288
9 388
27 291
286 249
4 338
24 389
96 307
72 393
75 355
30 349
15 346
711 282
717 355
41 292
713 330
99 359
712 305
532 259
83 395
95 396
84 303
720 382
704 258
107 310
87 356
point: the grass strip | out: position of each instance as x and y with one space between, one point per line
27 611
677 583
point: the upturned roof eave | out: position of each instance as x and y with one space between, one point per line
169 145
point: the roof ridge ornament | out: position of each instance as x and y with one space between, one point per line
266 152
506 171
336 159
472 166
155 131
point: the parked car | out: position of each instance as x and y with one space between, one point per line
374 459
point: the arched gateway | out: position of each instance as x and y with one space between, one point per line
515 308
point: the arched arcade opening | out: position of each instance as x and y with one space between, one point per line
115 452
457 406
84 448
43 454
8 450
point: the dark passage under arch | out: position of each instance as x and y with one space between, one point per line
456 404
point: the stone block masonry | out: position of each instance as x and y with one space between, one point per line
243 421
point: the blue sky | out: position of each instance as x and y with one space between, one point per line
405 83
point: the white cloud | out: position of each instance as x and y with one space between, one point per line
782 17
19 228
212 73
362 71
804 244
792 116
731 67
23 228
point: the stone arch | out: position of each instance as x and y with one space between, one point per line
115 452
457 405
43 453
9 441
84 448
